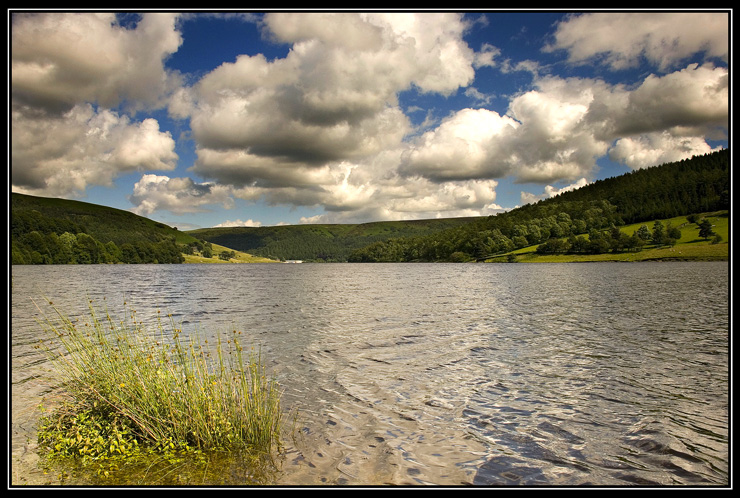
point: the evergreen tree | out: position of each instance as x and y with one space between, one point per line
705 229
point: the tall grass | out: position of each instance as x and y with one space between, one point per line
166 389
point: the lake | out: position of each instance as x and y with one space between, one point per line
602 374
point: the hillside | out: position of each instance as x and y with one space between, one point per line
59 231
585 222
319 242
689 245
697 185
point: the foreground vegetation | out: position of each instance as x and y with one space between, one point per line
132 392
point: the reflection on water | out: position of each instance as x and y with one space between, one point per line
522 375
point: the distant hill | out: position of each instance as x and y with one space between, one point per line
102 222
697 185
45 230
328 243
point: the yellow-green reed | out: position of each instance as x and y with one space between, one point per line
172 393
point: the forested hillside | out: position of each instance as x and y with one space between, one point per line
696 185
594 212
319 242
60 231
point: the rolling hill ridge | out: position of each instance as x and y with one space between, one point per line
59 231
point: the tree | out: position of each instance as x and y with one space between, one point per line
705 229
86 250
578 244
643 233
673 234
226 255
659 235
553 246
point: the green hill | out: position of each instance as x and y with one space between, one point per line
697 185
331 242
581 222
48 230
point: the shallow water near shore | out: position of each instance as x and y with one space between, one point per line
605 374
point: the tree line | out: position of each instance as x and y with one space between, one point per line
496 234
615 240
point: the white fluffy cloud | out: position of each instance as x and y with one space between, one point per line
622 40
62 59
309 129
550 191
239 223
322 125
334 97
68 73
177 195
656 148
60 155
465 145
696 98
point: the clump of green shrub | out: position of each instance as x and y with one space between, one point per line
131 391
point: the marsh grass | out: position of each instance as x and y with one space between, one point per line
131 389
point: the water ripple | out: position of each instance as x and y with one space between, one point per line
514 375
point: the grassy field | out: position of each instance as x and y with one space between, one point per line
240 257
690 247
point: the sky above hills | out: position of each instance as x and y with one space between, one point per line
201 119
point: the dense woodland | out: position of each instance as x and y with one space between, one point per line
57 231
325 243
583 221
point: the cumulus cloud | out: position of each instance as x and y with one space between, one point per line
322 125
61 59
657 148
550 191
463 146
239 223
334 96
68 74
623 40
62 155
557 130
545 136
696 97
177 195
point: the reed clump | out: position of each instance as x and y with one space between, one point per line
130 389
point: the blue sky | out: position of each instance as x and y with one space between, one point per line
203 119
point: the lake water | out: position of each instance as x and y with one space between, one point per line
444 374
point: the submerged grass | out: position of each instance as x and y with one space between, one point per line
131 390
